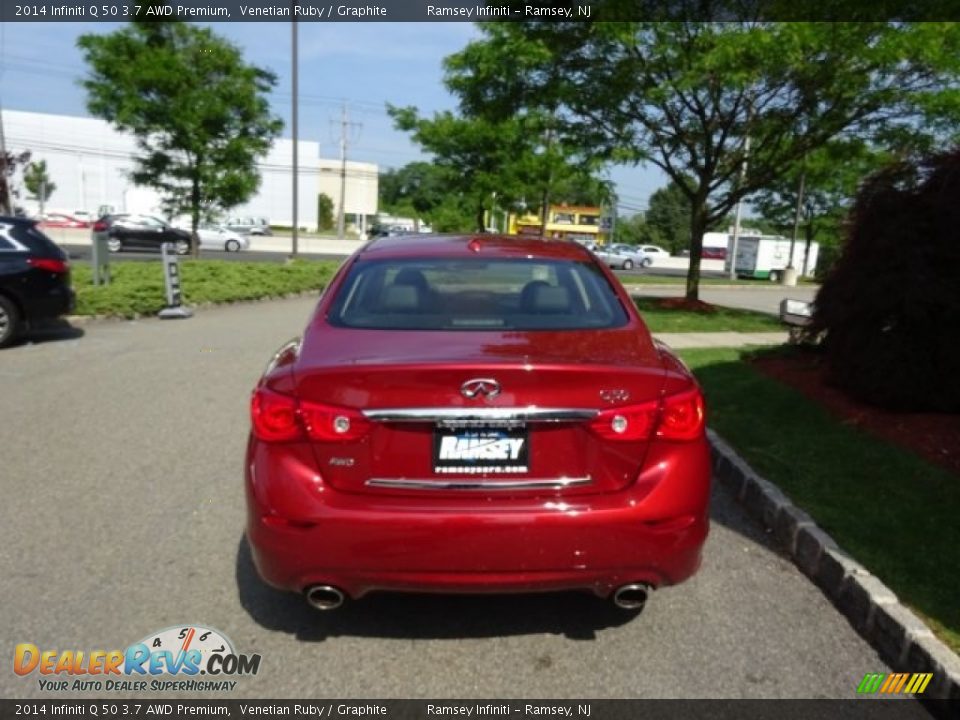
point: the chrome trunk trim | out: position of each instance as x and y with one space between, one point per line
464 484
455 416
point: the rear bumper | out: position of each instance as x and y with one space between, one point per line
302 532
49 303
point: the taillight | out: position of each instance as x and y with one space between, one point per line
100 226
332 424
274 416
280 418
675 417
49 264
683 416
633 422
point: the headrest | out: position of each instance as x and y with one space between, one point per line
547 299
409 276
400 298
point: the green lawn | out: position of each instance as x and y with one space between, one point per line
890 509
137 288
660 319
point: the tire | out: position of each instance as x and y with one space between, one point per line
114 245
232 246
182 247
647 262
628 264
774 276
11 324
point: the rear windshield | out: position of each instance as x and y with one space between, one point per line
26 236
476 294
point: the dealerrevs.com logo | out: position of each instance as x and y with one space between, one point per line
180 658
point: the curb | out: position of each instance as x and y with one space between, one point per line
900 637
79 320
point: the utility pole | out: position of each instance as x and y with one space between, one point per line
341 216
296 169
796 217
736 220
345 127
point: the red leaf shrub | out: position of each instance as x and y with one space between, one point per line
889 311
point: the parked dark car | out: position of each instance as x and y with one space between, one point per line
34 278
131 231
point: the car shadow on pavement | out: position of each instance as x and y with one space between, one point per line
52 331
576 616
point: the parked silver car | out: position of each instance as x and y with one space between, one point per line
616 259
246 225
640 258
217 237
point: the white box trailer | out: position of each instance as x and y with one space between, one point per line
766 256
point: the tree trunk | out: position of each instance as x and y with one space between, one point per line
698 226
481 212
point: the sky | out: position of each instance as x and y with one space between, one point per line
362 65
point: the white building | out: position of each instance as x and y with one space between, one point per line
90 163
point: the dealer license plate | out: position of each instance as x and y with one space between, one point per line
480 450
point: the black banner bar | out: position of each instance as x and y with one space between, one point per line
860 709
476 10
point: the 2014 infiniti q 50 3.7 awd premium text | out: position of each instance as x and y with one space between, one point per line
476 414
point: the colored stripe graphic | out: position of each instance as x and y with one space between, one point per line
894 683
870 683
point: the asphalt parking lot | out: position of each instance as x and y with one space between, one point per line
122 458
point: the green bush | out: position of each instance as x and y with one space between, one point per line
889 311
137 288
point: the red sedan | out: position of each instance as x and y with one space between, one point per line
60 220
476 414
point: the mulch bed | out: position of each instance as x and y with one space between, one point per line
679 303
934 436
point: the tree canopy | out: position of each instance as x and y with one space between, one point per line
687 96
515 162
199 112
830 177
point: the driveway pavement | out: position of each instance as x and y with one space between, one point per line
123 512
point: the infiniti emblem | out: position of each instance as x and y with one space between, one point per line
480 387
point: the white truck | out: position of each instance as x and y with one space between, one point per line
766 256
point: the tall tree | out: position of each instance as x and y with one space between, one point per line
514 159
686 96
417 188
199 112
668 215
829 178
324 213
38 183
9 163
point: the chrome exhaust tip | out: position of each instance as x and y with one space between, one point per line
631 597
324 597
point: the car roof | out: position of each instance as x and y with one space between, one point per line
17 220
479 245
